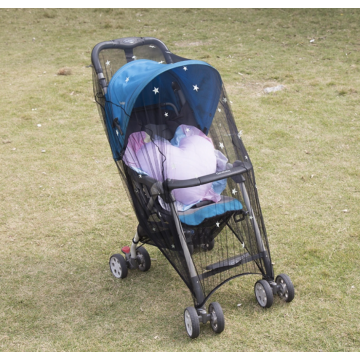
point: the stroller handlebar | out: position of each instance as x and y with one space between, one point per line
234 171
127 44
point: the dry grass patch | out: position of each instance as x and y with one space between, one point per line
64 71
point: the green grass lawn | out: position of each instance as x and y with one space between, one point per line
63 210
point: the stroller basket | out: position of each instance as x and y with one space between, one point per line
187 173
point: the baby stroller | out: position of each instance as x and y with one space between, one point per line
187 173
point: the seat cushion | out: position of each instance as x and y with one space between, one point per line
196 216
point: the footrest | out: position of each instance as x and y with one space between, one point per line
229 263
232 261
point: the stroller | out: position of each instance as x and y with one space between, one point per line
187 173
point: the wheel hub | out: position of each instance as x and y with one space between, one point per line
115 267
141 260
213 320
260 294
188 323
283 293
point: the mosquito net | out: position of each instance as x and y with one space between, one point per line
173 121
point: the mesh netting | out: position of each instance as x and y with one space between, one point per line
164 139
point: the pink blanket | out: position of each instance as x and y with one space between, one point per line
192 155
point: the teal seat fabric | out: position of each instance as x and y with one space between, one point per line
196 216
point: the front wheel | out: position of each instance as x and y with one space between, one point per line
143 258
118 266
192 323
286 290
263 293
217 320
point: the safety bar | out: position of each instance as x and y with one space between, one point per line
235 170
239 167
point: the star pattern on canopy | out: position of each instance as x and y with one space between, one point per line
134 57
166 114
156 90
196 88
219 110
107 63
221 145
234 191
127 79
217 224
185 68
225 100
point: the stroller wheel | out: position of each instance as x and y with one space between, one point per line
217 320
286 291
208 245
144 259
192 323
118 266
211 244
263 293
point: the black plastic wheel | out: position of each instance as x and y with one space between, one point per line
118 266
263 293
192 323
211 244
208 245
144 259
217 320
286 291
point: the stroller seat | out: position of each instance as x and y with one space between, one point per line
196 215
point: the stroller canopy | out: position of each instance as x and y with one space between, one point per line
144 83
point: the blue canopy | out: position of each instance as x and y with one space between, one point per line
144 82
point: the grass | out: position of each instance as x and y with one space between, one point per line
63 212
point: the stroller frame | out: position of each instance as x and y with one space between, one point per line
137 257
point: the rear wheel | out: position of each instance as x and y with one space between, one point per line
208 245
118 266
286 291
192 323
263 293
